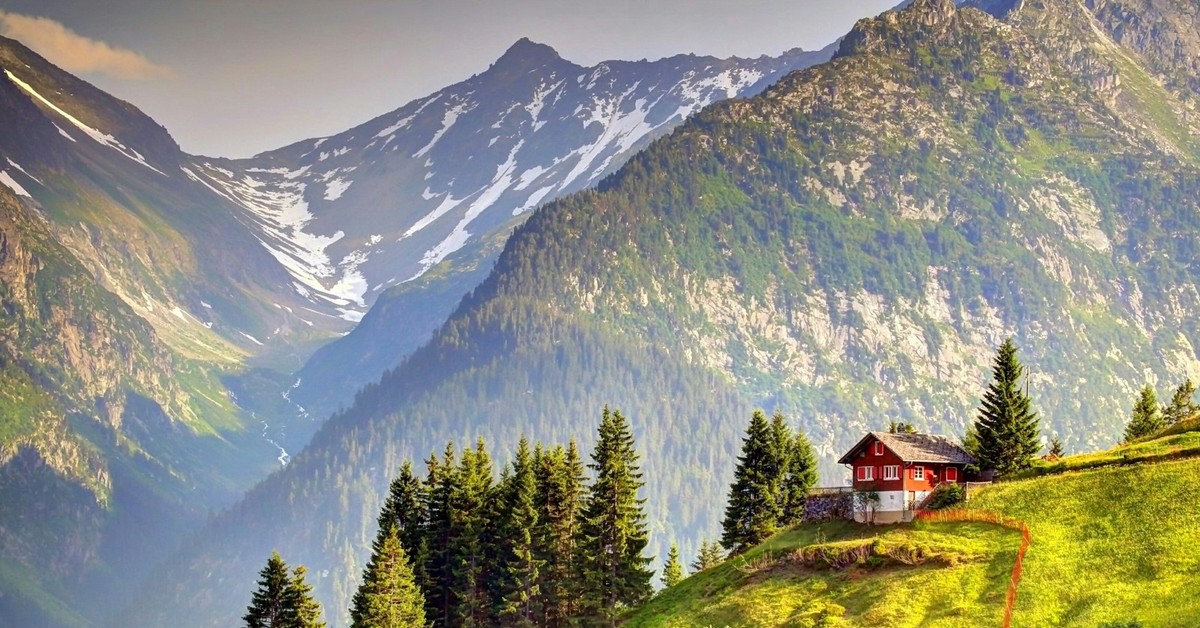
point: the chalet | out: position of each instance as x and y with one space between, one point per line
902 469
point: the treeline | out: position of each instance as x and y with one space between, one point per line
538 546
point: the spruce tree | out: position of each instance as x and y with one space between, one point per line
801 476
752 513
282 600
613 531
710 555
388 596
673 570
520 576
308 610
440 595
560 489
1145 419
472 507
1006 428
1182 406
1056 447
405 510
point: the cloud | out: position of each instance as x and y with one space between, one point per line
78 54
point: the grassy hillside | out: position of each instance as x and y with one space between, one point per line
1111 544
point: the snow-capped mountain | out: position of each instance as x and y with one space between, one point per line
382 203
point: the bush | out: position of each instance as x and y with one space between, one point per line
946 495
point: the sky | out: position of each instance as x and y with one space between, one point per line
233 78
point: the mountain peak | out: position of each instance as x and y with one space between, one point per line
526 52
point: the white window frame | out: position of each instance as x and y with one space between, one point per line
878 448
866 473
891 472
918 473
949 471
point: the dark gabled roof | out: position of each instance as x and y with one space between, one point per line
914 448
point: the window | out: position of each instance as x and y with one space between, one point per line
951 474
866 474
918 473
878 449
891 472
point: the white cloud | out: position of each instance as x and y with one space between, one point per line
78 54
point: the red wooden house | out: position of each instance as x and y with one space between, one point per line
902 469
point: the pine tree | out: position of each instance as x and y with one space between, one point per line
710 555
1056 448
800 478
472 507
753 513
613 531
1006 428
308 610
560 488
520 577
673 570
1145 419
388 596
405 510
1182 406
282 600
440 595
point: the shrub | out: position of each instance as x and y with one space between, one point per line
945 496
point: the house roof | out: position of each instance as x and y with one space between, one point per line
914 448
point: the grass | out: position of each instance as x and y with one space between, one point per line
1109 544
962 581
1178 441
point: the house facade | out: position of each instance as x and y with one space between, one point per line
901 470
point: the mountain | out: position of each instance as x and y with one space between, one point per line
120 324
411 209
848 247
143 363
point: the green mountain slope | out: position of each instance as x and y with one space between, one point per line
847 247
1108 545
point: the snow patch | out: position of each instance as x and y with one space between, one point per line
334 189
251 338
102 138
63 133
18 167
448 120
11 184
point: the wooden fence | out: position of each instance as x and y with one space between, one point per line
985 516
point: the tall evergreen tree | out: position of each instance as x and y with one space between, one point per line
1056 447
440 595
405 510
801 476
753 512
613 532
1145 419
560 489
1006 428
472 507
1182 406
282 600
709 555
388 596
520 577
673 570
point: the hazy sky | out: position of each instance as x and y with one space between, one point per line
236 77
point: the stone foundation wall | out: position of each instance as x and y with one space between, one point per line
827 507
